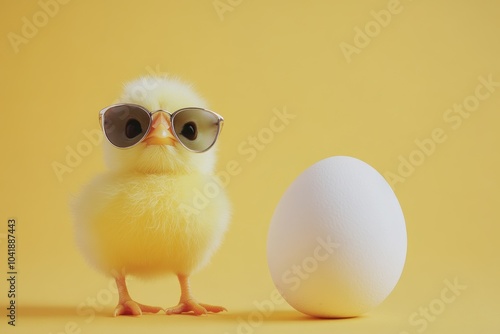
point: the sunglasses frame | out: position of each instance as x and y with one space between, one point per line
220 123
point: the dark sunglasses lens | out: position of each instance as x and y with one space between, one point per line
125 125
196 128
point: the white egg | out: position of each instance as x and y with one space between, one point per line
337 240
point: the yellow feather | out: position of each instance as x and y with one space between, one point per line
147 224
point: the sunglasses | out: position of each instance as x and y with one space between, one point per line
126 125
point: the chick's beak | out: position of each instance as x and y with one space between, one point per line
161 131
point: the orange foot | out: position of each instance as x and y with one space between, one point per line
191 305
130 307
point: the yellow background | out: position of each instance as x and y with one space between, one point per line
261 56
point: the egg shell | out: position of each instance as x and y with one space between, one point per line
337 240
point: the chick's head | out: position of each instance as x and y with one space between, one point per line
167 94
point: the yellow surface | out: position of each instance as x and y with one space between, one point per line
249 60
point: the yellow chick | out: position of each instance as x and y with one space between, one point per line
139 218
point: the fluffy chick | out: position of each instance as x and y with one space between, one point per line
139 218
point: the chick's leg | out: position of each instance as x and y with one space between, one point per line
126 306
188 304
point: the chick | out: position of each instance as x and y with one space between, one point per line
139 218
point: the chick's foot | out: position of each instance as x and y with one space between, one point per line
188 304
193 306
131 307
126 306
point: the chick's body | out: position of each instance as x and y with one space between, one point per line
158 209
147 224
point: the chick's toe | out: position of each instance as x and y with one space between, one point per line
131 307
194 307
